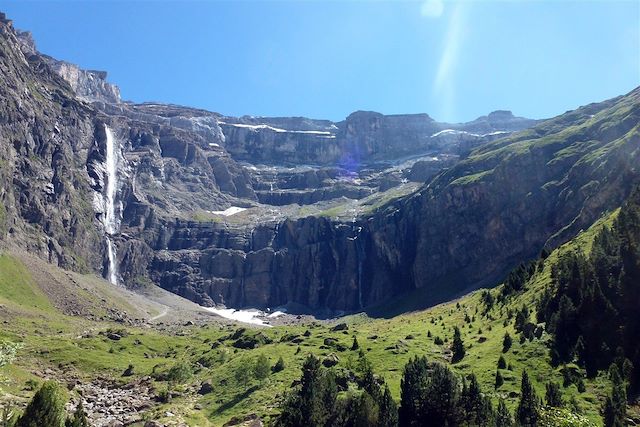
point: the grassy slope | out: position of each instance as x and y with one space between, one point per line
52 340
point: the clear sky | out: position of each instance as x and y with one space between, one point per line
453 60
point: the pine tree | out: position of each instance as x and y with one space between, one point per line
388 410
457 346
565 330
477 407
506 342
553 396
441 403
499 380
502 364
366 412
527 412
413 388
355 344
46 409
314 403
615 408
370 384
503 416
242 373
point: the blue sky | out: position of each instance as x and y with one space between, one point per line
452 60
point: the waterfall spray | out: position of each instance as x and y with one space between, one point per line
111 219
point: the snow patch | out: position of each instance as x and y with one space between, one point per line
326 134
498 132
276 314
463 132
229 211
251 316
452 132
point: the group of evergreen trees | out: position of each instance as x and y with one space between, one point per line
592 309
316 402
431 395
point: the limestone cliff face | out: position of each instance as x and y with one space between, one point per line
468 227
363 137
484 203
89 85
45 134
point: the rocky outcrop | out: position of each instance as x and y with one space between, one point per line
362 138
89 85
45 134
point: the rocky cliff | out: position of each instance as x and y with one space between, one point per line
89 85
314 214
501 205
46 134
362 138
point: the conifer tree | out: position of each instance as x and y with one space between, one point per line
262 368
506 342
477 407
279 366
46 409
527 412
499 380
615 407
457 346
553 396
503 416
388 410
355 344
413 388
502 363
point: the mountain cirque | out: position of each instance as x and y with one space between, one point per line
337 216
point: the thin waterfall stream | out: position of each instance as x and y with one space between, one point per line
111 216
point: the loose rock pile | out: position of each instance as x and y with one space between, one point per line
108 404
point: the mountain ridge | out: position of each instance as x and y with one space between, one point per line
350 230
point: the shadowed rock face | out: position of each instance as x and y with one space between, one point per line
361 235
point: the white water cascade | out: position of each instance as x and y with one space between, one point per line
111 215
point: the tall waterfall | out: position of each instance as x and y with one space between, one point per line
111 214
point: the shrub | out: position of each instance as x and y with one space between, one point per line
279 366
179 373
261 368
129 371
46 409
